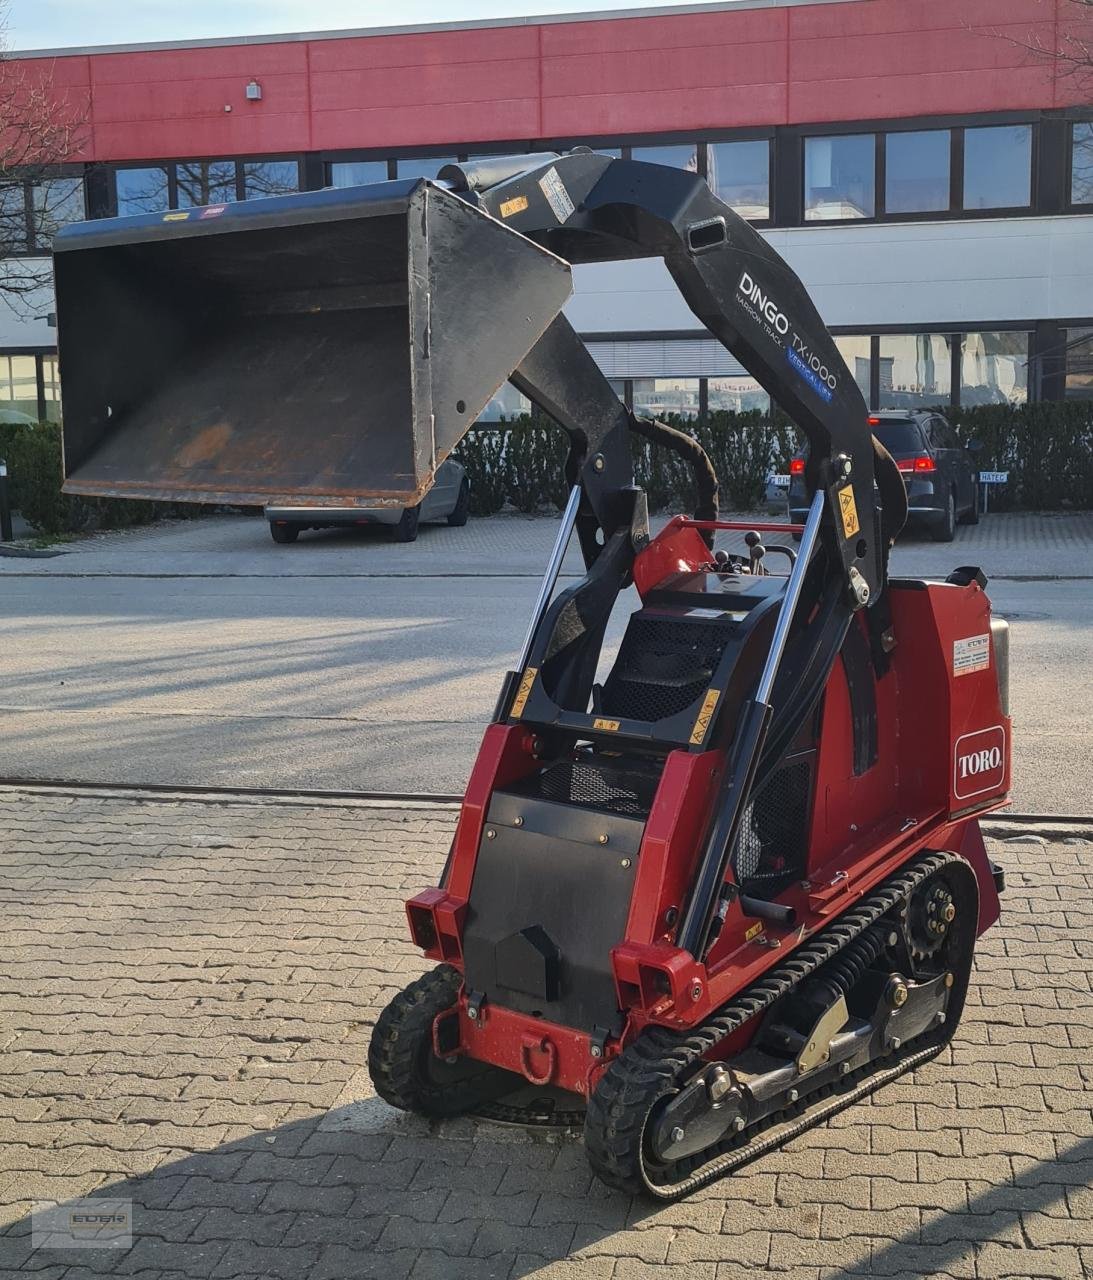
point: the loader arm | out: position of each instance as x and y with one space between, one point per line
590 208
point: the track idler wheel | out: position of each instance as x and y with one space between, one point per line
402 1062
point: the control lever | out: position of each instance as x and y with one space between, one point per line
756 551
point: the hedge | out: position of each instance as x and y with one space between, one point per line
1047 448
522 462
33 455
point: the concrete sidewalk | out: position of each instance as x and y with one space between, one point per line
1021 545
187 992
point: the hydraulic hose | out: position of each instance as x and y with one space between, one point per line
688 448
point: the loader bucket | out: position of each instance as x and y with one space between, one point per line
326 349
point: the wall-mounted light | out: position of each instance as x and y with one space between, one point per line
254 91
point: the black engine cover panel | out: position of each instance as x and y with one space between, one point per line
549 900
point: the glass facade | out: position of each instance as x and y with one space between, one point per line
1081 164
14 233
423 166
358 173
916 171
507 403
270 178
681 156
202 182
998 167
18 389
51 385
915 371
55 203
654 397
1079 364
738 394
739 173
855 349
840 177
993 368
142 190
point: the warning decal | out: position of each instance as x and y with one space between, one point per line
848 509
705 715
522 694
610 725
557 196
516 205
973 654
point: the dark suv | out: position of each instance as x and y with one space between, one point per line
939 471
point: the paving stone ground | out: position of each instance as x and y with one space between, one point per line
186 996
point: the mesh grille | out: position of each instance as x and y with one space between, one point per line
773 840
664 666
594 786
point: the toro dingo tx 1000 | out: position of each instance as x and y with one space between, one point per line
733 882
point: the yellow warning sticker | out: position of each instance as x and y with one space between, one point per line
524 691
849 511
610 725
176 217
753 932
705 715
516 205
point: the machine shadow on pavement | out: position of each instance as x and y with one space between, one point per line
323 1200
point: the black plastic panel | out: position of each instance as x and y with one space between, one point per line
550 876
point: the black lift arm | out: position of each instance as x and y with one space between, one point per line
591 208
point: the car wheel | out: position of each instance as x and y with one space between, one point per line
457 518
971 516
283 532
946 530
406 529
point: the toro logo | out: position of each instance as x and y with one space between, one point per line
980 762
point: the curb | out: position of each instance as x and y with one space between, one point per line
27 553
1009 826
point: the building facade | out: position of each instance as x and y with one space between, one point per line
925 165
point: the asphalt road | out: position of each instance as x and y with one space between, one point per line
198 654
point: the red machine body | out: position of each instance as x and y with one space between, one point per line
942 760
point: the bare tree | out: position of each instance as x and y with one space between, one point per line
41 128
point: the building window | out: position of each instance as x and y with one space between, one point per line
51 385
204 182
993 368
1079 364
262 178
998 167
14 231
739 174
507 403
915 371
18 389
855 350
1081 164
423 166
654 397
681 156
357 173
142 190
840 177
31 213
741 394
916 171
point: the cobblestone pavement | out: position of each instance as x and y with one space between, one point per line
187 994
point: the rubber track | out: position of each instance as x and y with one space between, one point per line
618 1109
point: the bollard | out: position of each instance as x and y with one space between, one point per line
5 506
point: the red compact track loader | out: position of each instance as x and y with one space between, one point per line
716 889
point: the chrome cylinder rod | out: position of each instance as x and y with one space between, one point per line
550 577
791 598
